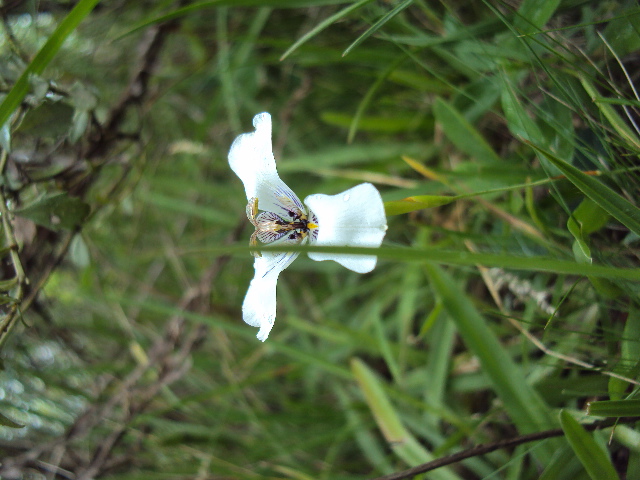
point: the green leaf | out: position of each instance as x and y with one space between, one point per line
452 257
594 459
376 26
401 441
322 25
586 219
364 103
520 400
417 202
519 122
44 56
50 120
198 6
462 133
7 422
534 14
56 211
620 208
618 124
614 408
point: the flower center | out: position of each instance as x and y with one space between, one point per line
270 226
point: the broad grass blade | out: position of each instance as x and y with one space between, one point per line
595 460
522 402
620 208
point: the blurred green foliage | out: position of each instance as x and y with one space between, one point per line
126 355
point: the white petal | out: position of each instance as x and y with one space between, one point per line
354 218
259 307
251 158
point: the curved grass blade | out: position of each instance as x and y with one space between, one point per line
322 25
525 406
401 441
595 460
610 114
619 208
44 56
376 26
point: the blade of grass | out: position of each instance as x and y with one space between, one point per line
195 7
44 56
614 408
526 408
362 106
403 443
619 208
595 461
322 25
533 14
462 133
417 202
376 26
610 114
447 257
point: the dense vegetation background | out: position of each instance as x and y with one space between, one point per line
506 293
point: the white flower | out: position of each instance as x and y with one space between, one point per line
352 218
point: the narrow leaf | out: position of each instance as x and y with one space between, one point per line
322 25
402 442
614 408
595 461
376 26
620 208
418 202
451 257
44 56
534 14
610 114
462 133
520 400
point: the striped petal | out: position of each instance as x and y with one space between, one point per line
251 159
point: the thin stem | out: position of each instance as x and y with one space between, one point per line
490 447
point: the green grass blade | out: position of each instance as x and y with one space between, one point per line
362 106
619 208
522 402
449 257
376 26
610 114
196 7
614 408
462 133
322 25
417 202
44 56
533 14
595 461
403 443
